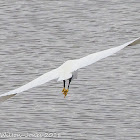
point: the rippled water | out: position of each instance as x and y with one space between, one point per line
37 36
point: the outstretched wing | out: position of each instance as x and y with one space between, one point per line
54 74
92 58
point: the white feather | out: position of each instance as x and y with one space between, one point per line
38 81
66 70
92 58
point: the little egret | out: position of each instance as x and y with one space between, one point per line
68 70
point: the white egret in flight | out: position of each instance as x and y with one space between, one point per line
68 70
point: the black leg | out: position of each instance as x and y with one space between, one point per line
69 82
64 83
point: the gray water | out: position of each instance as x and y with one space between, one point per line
37 36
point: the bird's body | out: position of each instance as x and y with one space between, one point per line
68 70
65 70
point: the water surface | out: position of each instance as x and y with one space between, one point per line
37 36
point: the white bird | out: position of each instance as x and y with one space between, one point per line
68 70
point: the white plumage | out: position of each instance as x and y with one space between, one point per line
68 69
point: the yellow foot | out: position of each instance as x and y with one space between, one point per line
63 89
65 92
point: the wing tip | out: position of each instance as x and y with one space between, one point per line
6 97
134 42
